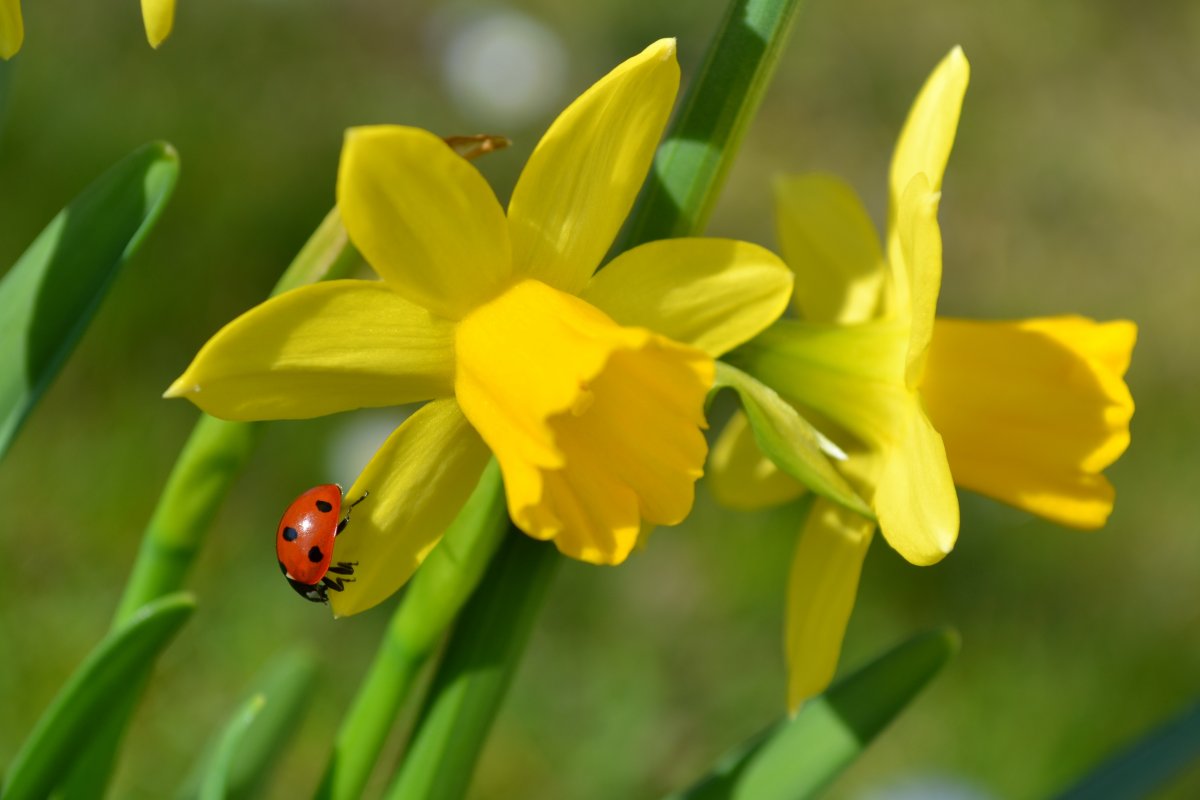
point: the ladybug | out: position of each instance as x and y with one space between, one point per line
304 542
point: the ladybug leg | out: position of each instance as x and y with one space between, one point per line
336 584
343 568
342 525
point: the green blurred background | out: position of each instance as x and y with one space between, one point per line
1073 188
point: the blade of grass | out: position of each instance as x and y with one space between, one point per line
798 758
1146 765
286 682
430 604
51 294
217 777
69 722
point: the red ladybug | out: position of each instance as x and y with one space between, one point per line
304 542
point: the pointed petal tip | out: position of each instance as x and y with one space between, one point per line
180 388
664 48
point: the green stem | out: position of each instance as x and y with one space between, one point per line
694 159
480 661
689 171
431 601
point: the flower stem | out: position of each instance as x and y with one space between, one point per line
476 670
694 159
433 598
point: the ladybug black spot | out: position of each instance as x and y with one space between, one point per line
289 534
315 555
324 507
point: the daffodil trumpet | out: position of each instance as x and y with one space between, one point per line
588 386
1029 412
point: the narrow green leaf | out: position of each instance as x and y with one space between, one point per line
788 439
48 298
217 777
691 164
798 758
476 670
430 603
1147 765
286 682
99 682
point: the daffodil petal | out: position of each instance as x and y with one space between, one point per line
915 499
928 134
418 481
423 217
1032 411
582 178
821 591
12 28
159 17
741 477
320 349
830 243
713 294
917 271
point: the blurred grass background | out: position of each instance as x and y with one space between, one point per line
1072 188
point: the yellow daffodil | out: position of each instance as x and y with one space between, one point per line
1028 412
157 15
588 388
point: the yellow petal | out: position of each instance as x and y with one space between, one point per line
582 178
829 242
917 271
1032 411
741 477
821 591
12 28
423 217
713 294
320 349
418 481
928 133
914 498
158 16
596 427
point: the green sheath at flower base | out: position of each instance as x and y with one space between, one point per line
588 387
1029 412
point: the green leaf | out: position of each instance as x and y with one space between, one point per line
220 770
48 298
97 685
430 603
798 758
286 682
789 440
692 162
1148 764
